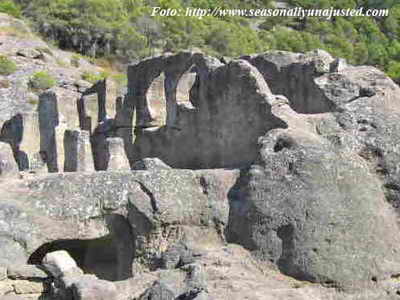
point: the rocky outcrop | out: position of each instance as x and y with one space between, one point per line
314 209
291 156
227 98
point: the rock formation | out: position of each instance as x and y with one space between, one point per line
278 179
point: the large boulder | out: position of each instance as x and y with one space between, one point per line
312 206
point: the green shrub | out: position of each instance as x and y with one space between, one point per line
42 81
94 77
7 66
10 8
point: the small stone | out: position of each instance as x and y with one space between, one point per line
60 263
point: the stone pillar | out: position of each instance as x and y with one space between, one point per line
117 157
78 151
85 121
48 121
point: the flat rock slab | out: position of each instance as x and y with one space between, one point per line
26 272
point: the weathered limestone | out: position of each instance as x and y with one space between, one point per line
78 152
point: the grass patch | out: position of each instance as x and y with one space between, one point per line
7 66
94 77
42 81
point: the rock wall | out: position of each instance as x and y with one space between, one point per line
230 110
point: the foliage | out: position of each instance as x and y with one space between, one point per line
42 80
94 77
125 29
7 66
11 8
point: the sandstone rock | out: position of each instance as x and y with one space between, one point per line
8 165
60 263
26 272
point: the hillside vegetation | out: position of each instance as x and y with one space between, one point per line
125 29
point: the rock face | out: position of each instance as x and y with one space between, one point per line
225 99
280 164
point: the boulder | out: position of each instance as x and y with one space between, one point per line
314 208
60 263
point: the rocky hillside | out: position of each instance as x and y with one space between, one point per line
271 176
